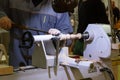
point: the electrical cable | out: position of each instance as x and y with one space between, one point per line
108 71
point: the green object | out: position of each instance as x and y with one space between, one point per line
78 48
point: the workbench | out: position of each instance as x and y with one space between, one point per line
36 74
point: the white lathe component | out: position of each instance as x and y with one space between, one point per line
44 54
100 45
38 38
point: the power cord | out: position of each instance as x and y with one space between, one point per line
108 71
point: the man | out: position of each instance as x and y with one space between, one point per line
116 12
34 14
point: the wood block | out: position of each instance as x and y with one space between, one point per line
5 69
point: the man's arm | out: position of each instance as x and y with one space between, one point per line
64 24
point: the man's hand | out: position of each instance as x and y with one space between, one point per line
54 31
5 23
